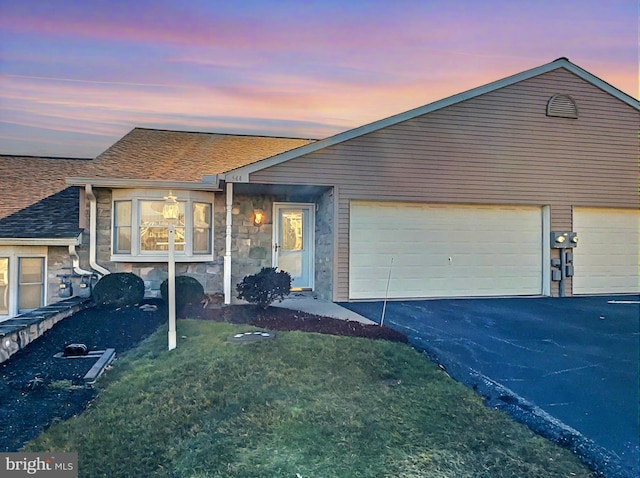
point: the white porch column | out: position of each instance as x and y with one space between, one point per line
227 252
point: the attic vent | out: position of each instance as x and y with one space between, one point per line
562 106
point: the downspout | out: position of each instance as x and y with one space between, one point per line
227 251
93 226
76 261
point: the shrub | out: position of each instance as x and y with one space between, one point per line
265 287
188 291
119 289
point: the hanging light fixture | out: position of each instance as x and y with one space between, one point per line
171 209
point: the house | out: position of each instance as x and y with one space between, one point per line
472 195
39 229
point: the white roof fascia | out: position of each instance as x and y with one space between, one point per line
603 85
41 241
144 184
241 175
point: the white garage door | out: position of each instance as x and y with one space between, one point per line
606 259
444 250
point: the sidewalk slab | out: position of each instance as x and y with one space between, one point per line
310 305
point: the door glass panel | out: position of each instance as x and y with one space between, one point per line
30 282
294 239
4 286
292 231
292 263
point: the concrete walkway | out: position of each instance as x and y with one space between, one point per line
305 302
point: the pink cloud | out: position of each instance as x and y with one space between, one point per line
303 70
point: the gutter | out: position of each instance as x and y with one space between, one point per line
38 241
208 183
93 222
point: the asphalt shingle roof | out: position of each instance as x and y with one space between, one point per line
36 203
183 156
55 216
28 179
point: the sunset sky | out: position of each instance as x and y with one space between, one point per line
75 76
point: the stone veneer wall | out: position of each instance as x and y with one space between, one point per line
251 246
209 274
58 262
324 246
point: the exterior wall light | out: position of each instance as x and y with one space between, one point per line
258 217
564 240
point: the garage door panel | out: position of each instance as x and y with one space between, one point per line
444 250
606 259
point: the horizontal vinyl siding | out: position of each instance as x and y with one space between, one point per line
498 148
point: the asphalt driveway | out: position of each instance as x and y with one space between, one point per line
567 367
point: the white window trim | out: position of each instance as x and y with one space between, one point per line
137 195
14 253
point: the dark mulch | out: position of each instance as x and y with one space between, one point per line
38 389
276 318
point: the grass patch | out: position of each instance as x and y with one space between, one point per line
300 404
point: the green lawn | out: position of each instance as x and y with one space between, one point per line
300 405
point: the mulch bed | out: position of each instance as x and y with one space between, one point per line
37 389
276 318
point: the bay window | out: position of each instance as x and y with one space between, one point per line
140 232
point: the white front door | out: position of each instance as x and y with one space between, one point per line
293 242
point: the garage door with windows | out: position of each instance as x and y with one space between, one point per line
606 259
436 250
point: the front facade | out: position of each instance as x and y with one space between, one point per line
459 198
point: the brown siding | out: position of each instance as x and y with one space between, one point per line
498 148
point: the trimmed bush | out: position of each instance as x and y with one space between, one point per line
265 287
188 291
119 289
